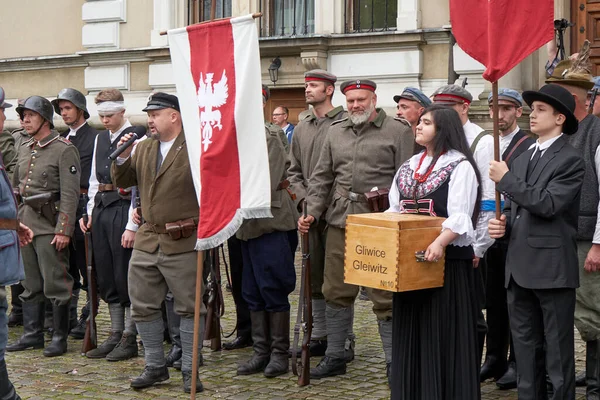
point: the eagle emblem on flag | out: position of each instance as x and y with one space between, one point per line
210 97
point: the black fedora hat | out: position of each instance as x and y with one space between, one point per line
558 97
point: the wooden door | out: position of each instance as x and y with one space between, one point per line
293 99
586 16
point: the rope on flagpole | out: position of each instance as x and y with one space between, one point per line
255 15
495 112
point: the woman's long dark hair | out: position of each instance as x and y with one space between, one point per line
449 135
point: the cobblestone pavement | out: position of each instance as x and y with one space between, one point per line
75 377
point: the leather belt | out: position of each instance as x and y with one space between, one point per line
9 224
161 229
353 197
106 187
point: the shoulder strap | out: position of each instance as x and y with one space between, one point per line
477 139
524 138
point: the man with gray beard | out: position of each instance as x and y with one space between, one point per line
359 153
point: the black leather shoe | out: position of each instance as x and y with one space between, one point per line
187 382
239 342
492 368
15 319
580 379
126 348
173 356
317 347
105 347
150 376
328 366
177 364
509 379
256 364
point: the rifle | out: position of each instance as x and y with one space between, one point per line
90 340
592 101
215 306
304 319
452 75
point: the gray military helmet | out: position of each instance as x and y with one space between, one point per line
38 104
75 97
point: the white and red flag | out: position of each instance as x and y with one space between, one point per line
216 66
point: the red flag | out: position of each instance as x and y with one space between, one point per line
501 33
217 73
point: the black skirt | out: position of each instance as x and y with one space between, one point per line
435 347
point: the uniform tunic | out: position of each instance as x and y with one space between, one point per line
435 330
48 166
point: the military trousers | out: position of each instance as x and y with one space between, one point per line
341 294
112 260
46 272
316 246
236 265
152 275
269 275
77 263
587 304
3 322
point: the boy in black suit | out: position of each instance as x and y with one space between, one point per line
542 190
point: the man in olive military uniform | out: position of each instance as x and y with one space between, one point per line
162 260
47 175
269 276
71 105
307 141
360 153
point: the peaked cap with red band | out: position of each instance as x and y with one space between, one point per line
452 94
358 84
266 93
320 75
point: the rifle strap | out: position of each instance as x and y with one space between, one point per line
524 138
476 141
298 325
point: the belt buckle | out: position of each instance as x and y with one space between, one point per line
352 196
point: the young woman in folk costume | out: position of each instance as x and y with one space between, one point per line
435 330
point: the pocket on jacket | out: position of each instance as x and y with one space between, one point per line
544 242
11 270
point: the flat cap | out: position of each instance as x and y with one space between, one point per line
320 75
3 104
160 100
266 93
508 95
358 84
413 94
452 94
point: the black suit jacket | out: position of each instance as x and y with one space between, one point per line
541 214
84 142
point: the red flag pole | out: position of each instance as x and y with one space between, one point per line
495 112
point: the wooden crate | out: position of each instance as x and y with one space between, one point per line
380 251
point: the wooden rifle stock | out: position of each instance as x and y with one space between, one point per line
215 307
592 101
90 340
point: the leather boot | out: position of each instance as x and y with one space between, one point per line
239 342
173 356
580 380
150 376
173 321
261 345
279 327
58 346
73 309
48 320
7 390
492 368
187 382
33 328
106 347
509 379
15 318
592 368
124 350
78 332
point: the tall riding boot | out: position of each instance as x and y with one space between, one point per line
58 346
339 321
7 390
15 318
173 320
48 320
261 345
33 328
279 327
73 309
592 368
385 332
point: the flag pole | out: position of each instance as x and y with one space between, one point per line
255 15
197 307
495 113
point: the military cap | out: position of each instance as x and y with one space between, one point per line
3 104
319 75
452 94
160 100
508 95
413 94
563 74
266 93
358 84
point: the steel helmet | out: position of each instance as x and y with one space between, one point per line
38 104
75 97
3 104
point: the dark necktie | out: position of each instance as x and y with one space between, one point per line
159 159
533 162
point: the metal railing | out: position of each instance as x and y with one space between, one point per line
199 10
370 15
284 18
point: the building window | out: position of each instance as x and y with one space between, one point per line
371 15
200 10
287 17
